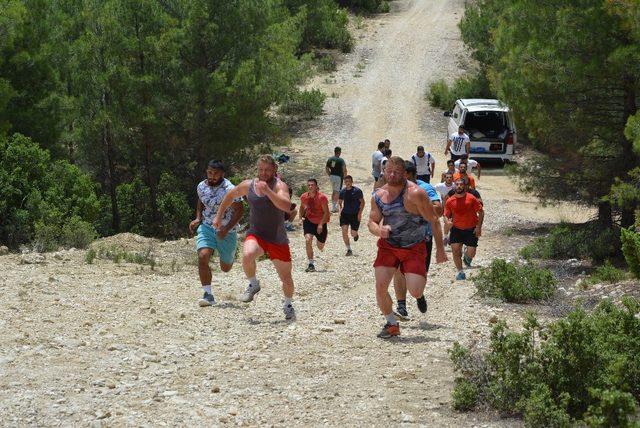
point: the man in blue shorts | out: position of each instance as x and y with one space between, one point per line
351 206
211 192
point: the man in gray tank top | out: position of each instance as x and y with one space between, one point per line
400 212
269 200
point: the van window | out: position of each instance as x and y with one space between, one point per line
456 114
486 125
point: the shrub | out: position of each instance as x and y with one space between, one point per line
134 206
607 273
581 369
631 250
175 211
324 24
73 233
465 394
304 104
368 6
443 96
90 256
47 237
513 282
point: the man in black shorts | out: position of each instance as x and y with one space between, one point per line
314 213
351 206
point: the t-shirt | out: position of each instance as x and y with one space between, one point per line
433 197
459 143
472 181
336 165
464 211
443 188
470 163
376 163
211 197
423 163
351 198
474 192
313 210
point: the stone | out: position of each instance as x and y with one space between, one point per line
100 414
170 393
339 321
493 319
215 389
326 329
4 250
32 259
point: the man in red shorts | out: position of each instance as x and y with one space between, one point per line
269 200
314 214
467 214
400 212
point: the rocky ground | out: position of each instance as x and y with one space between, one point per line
121 341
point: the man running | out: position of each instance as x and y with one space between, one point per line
400 211
458 144
376 161
462 173
471 164
351 207
314 213
433 233
224 238
451 168
446 186
336 170
425 164
268 199
468 215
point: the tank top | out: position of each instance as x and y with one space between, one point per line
266 221
406 229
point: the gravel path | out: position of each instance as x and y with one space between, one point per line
123 344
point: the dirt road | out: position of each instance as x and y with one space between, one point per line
122 344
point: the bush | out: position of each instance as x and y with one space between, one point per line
513 282
324 24
581 369
607 273
631 250
465 394
579 241
304 104
442 96
73 233
90 256
368 6
175 211
134 206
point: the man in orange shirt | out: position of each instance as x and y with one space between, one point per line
468 215
462 173
314 213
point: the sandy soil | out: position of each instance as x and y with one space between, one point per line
123 344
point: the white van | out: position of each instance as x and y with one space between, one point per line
490 127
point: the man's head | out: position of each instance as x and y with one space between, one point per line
460 130
451 164
267 168
448 178
348 181
420 151
461 186
215 172
395 172
463 167
411 171
387 153
312 185
337 151
387 143
381 145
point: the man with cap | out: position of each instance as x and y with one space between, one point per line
224 239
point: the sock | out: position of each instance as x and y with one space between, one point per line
253 281
207 288
287 301
311 261
461 271
348 247
402 303
391 319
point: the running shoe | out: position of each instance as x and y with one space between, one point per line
249 293
310 268
207 300
355 238
422 304
289 312
349 253
466 260
401 313
389 330
461 276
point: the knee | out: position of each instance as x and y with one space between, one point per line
225 267
203 259
308 238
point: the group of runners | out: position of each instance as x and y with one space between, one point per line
404 214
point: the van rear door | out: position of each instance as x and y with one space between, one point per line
488 131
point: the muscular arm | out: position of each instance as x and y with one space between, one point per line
237 192
420 200
279 196
361 209
375 217
448 147
238 210
468 147
325 213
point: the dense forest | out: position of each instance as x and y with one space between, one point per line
109 109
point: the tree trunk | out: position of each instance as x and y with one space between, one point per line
107 144
605 218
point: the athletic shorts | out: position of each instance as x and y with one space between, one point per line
273 251
287 216
410 259
425 178
336 182
455 157
208 238
350 219
312 229
463 236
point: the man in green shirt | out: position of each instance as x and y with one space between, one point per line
336 169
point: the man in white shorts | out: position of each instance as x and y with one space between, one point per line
336 170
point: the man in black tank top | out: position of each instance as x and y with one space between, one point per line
269 200
399 213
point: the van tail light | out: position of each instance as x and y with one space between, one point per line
510 139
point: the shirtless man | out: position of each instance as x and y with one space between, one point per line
400 212
268 199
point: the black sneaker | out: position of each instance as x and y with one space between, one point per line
310 268
349 253
422 304
355 238
207 300
401 313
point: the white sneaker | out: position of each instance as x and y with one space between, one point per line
248 294
289 312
